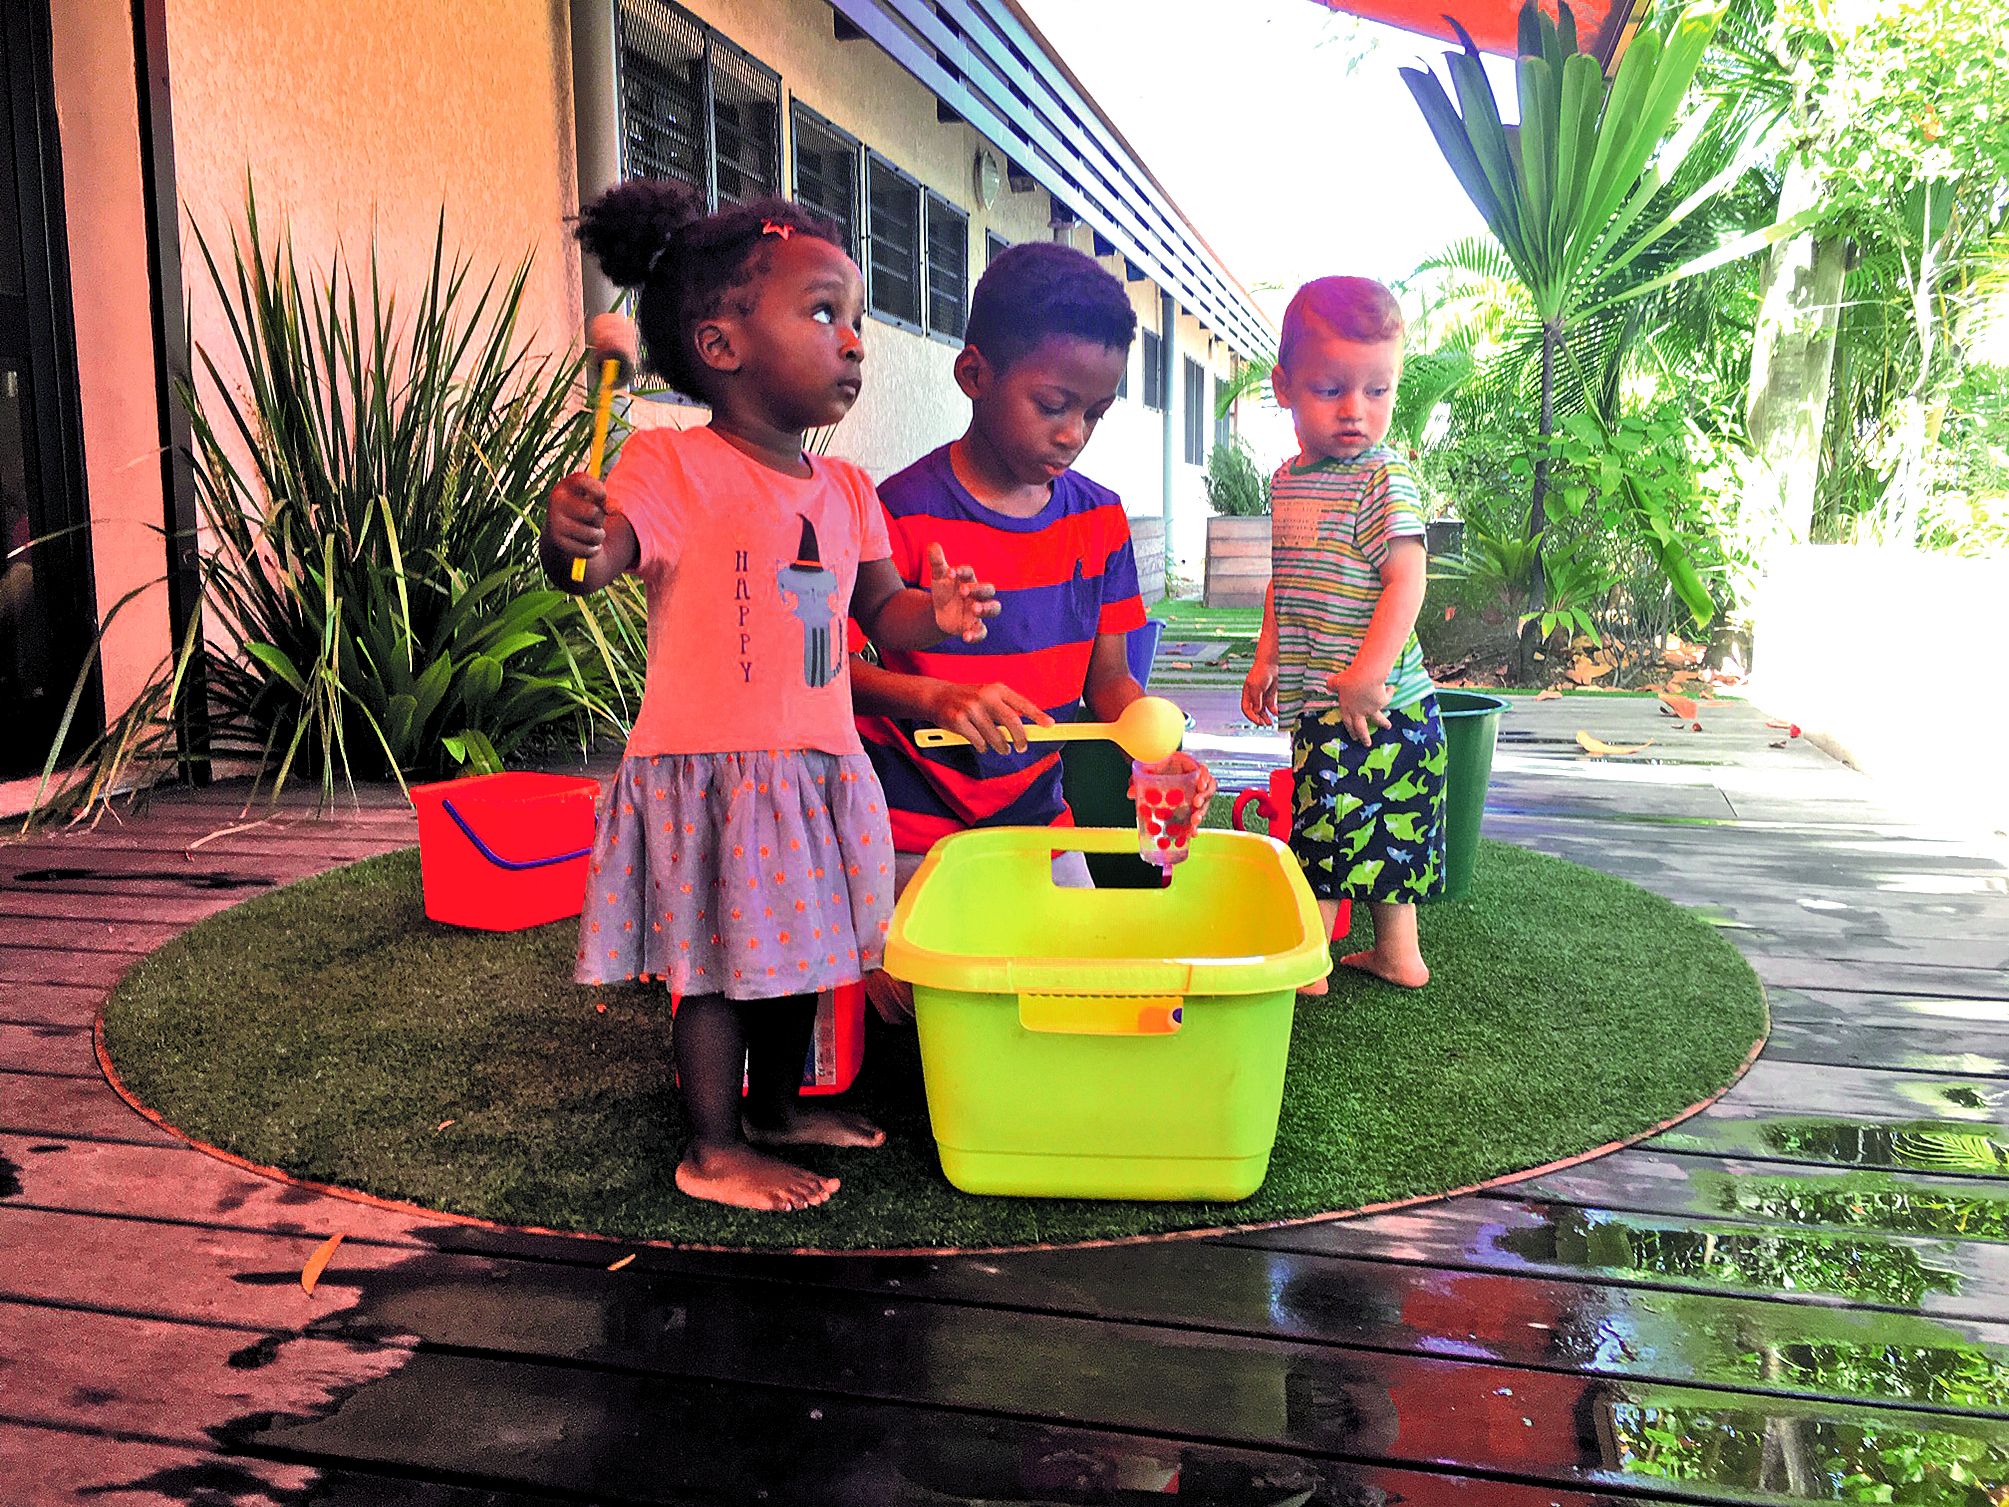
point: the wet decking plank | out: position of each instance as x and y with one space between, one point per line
1736 1257
68 1462
504 1305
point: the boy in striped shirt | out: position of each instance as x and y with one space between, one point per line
1048 338
1338 662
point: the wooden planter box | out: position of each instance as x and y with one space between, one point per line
1238 561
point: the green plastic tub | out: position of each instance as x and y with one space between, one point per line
1105 1043
1471 727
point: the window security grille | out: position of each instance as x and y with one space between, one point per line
694 107
893 225
1196 413
948 268
826 174
663 131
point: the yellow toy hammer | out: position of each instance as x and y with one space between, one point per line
611 339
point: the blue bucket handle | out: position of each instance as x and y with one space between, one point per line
496 858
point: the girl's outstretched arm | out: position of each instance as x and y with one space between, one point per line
578 526
898 616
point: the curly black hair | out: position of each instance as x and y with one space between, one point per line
653 235
1043 288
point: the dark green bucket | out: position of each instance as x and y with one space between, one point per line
1471 727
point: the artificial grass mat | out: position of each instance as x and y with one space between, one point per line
330 1030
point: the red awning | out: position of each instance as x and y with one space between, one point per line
1494 24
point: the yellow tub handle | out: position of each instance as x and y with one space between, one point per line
1102 1014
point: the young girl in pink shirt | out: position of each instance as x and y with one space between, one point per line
742 854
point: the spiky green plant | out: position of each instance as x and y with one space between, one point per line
1587 186
370 481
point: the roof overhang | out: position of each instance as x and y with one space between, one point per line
984 61
1603 26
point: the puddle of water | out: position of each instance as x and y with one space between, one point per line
1860 1200
1782 1260
1840 1456
1926 1146
1943 1146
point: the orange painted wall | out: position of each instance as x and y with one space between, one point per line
355 117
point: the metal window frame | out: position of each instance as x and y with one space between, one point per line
1193 377
714 40
994 245
797 110
711 38
931 199
1153 370
879 159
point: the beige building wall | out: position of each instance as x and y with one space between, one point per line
362 118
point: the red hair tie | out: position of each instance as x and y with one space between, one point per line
770 227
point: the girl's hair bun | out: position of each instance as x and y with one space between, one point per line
627 227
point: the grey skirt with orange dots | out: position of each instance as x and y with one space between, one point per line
751 875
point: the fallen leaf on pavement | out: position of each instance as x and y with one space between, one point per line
1553 693
318 1263
622 1262
1598 748
1677 706
1780 744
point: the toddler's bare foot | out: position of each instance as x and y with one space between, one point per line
1410 972
1317 988
816 1125
749 1179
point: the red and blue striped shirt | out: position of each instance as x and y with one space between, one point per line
1063 576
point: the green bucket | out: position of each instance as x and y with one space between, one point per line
1471 727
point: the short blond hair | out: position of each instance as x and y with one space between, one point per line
1353 308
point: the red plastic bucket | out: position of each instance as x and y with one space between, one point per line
1274 806
837 1048
500 852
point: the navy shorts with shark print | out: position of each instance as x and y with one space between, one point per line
1368 823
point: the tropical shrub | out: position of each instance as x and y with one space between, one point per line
1236 486
370 483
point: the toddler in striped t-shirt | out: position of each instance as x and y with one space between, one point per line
1338 663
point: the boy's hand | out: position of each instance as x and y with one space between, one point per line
962 602
1361 704
575 517
1259 693
992 716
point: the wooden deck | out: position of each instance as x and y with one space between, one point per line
1802 1295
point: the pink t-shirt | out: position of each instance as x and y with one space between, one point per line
749 575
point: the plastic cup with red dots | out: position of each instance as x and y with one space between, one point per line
1166 815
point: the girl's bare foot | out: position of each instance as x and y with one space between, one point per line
1410 972
1317 988
748 1179
816 1125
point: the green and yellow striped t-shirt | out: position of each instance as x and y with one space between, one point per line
1329 535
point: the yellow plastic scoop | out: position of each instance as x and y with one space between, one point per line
1149 730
